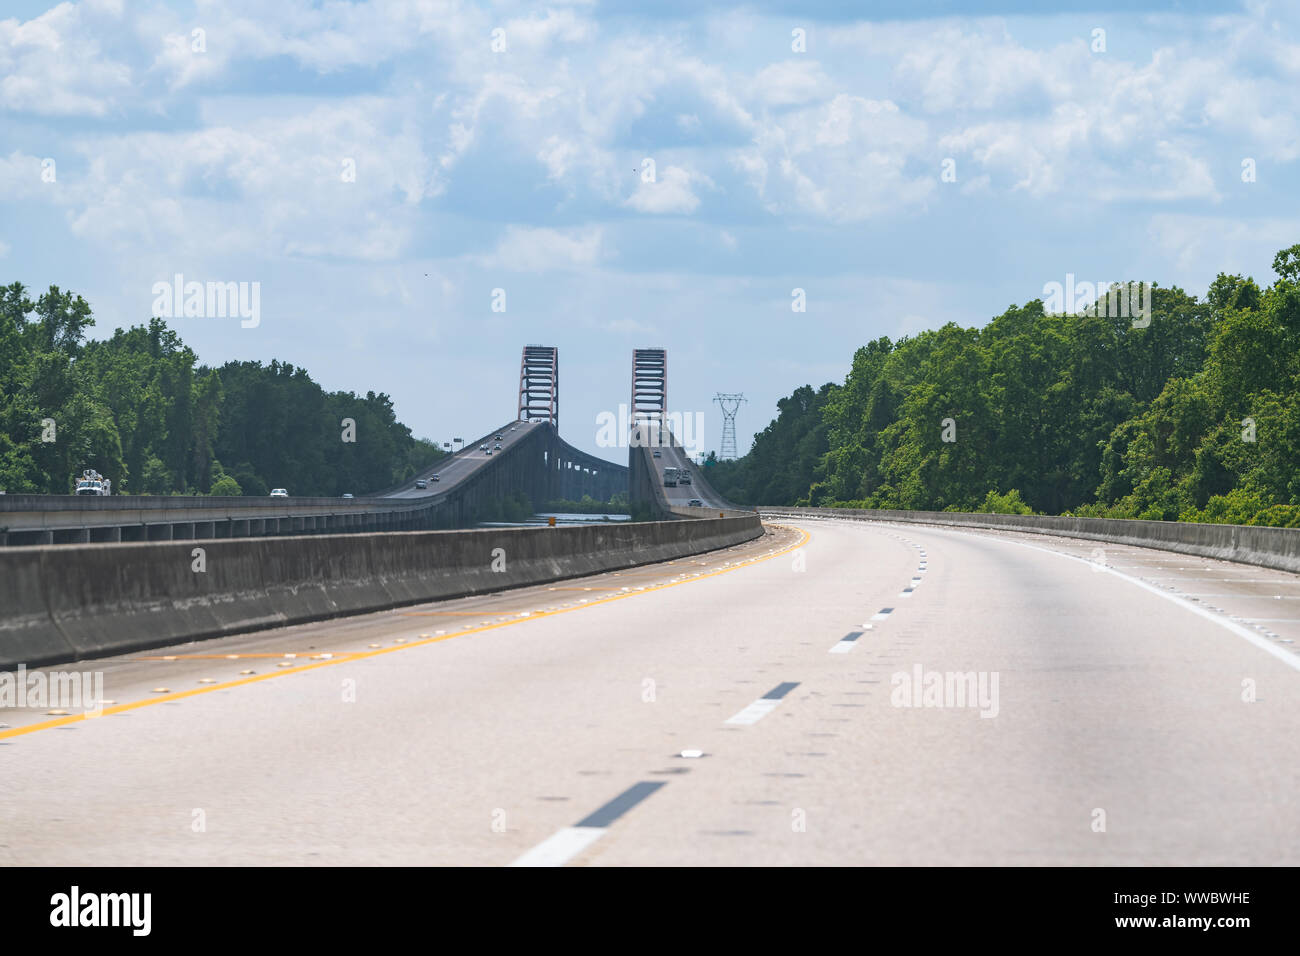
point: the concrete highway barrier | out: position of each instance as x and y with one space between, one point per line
1277 548
62 603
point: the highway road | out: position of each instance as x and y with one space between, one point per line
463 463
1128 706
680 495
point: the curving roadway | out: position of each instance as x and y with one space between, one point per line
1146 712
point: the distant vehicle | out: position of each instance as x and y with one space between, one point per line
497 446
482 448
347 496
670 477
657 455
92 482
279 493
695 503
421 483
488 452
684 476
434 478
498 438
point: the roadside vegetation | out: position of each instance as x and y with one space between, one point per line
617 505
1195 417
139 408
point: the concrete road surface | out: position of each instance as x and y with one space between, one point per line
1120 706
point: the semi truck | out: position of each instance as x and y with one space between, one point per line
670 477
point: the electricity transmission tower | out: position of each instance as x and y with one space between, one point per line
729 403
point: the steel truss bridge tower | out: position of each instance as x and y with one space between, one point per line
539 384
649 388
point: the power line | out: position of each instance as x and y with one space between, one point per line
729 403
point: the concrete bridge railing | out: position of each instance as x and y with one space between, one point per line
74 602
1277 548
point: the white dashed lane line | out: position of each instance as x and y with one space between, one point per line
845 643
764 705
563 845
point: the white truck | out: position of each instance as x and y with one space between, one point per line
92 482
670 476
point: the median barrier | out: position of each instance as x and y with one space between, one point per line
71 602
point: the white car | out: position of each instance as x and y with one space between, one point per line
279 493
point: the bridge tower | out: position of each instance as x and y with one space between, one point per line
649 388
539 384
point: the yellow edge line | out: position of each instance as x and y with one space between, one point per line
362 655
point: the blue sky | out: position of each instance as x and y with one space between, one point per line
522 169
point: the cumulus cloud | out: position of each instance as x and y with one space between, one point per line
791 83
575 100
341 180
523 249
56 64
843 160
670 193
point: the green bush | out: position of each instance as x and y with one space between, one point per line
226 487
1008 504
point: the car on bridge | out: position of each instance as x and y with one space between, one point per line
499 438
482 448
348 495
421 483
434 478
695 503
657 455
684 476
497 446
279 493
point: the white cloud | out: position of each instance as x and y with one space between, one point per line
1202 246
792 83
844 160
524 249
55 64
343 180
670 193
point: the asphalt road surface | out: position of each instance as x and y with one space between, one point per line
680 495
463 463
1127 706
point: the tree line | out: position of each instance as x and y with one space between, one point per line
1192 416
139 409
